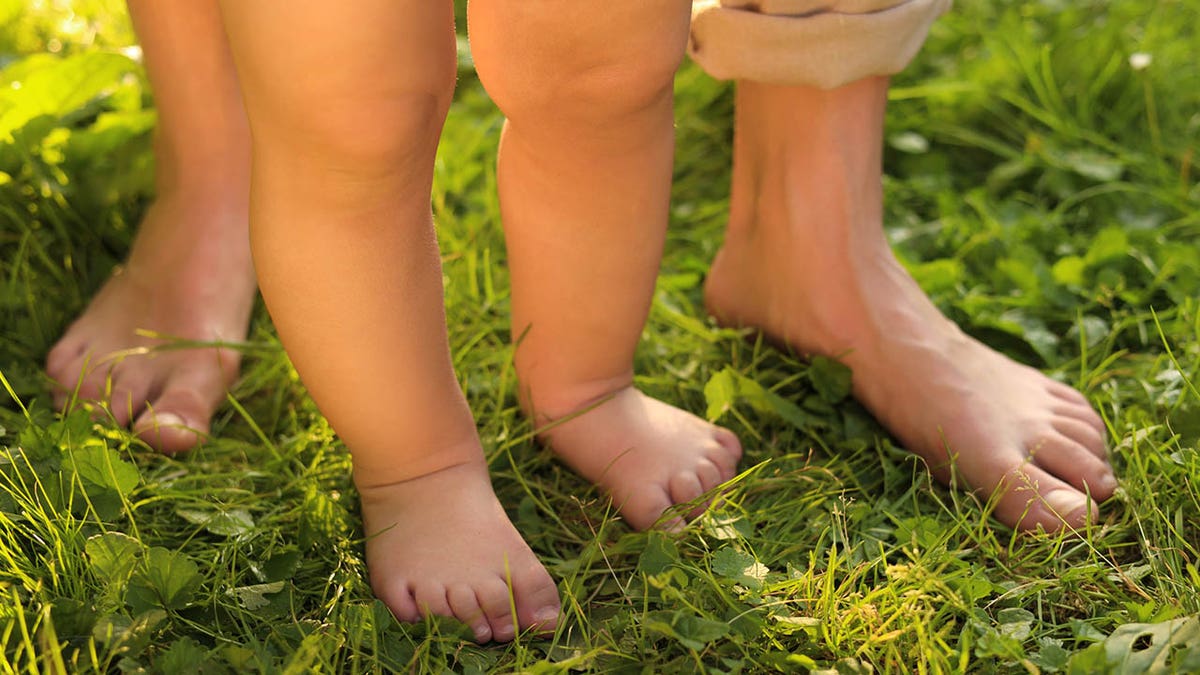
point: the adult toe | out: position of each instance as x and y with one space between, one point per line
1082 433
1029 498
178 419
1076 465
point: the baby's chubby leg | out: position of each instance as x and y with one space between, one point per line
584 180
346 101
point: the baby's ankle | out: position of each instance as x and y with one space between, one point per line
459 458
547 401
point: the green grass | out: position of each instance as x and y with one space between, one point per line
1042 190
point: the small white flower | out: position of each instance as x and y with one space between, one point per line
1140 60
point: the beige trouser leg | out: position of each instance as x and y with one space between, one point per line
822 43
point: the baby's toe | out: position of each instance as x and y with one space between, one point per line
709 473
432 600
398 596
684 487
731 445
465 607
645 506
538 605
495 601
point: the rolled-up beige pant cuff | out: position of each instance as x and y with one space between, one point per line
821 43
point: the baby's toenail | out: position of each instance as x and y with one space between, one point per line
503 633
482 633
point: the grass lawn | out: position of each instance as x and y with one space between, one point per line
1041 185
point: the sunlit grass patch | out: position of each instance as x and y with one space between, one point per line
1042 188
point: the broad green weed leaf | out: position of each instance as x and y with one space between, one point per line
58 87
1022 274
831 378
185 656
231 523
659 555
1033 330
1111 243
1068 271
103 467
719 392
279 566
740 567
1051 657
727 527
691 631
939 276
166 580
728 387
253 597
113 555
1153 648
695 631
132 634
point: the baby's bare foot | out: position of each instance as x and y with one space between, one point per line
189 276
647 455
806 261
441 544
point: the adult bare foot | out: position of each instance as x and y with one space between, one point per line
806 261
441 544
189 276
647 455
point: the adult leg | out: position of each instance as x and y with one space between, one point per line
584 181
807 261
346 102
189 273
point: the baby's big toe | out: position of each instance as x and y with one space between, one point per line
465 605
536 594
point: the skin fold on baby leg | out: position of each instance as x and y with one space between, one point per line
584 181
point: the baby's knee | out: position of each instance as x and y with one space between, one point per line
367 134
592 72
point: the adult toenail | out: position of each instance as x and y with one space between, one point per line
1108 483
1064 503
545 616
167 419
